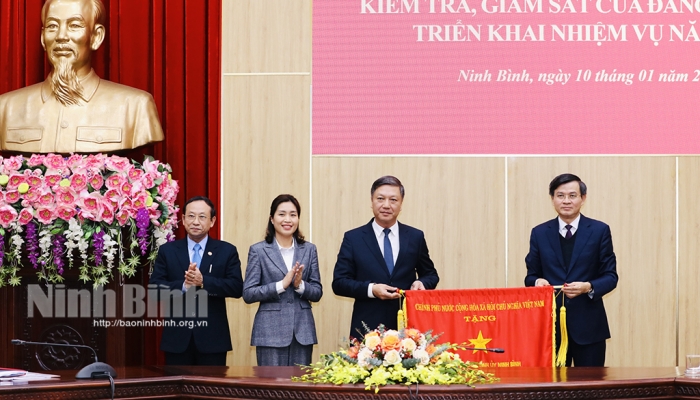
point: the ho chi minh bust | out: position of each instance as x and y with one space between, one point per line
74 110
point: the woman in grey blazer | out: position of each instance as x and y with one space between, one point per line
282 274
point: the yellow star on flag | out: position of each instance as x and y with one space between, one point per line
479 342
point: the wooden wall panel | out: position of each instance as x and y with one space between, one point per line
636 197
456 201
266 36
477 212
266 152
689 257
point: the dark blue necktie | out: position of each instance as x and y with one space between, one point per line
568 231
196 258
388 253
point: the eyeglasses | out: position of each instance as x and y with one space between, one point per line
562 196
192 217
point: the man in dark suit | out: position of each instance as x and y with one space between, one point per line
206 270
575 252
377 259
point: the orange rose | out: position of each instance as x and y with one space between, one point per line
430 349
352 351
391 342
413 334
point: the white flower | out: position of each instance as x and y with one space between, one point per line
45 243
408 344
110 247
15 252
363 357
45 240
161 235
392 357
391 332
17 240
372 341
422 355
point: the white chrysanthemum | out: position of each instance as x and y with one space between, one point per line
392 357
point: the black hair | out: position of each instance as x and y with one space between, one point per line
564 179
387 180
270 231
212 213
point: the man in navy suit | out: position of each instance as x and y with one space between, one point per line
575 252
206 270
377 259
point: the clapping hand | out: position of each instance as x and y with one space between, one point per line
193 277
293 276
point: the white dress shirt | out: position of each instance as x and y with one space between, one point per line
288 257
393 239
574 226
190 250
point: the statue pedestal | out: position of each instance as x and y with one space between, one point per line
115 345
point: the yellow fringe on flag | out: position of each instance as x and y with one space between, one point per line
401 317
554 325
564 344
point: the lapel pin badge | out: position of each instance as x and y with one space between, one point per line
209 253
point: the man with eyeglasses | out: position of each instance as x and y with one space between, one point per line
206 270
575 253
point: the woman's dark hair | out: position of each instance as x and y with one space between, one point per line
270 232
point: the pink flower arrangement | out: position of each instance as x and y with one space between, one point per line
71 200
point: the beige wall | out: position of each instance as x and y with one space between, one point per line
477 212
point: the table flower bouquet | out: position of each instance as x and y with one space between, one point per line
386 357
94 212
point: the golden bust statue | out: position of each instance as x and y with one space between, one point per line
74 110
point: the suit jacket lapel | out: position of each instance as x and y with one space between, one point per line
371 241
583 233
299 253
208 255
183 255
273 253
404 244
553 235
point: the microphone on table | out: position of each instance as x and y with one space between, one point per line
490 349
95 370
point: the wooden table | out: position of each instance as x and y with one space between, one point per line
275 383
